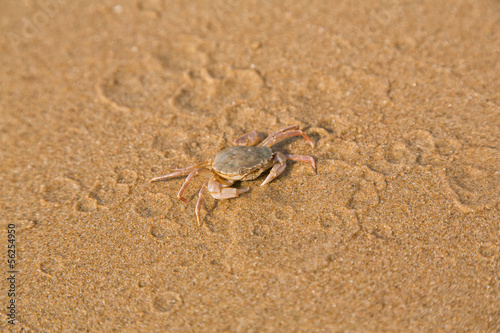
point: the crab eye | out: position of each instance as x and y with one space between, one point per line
243 171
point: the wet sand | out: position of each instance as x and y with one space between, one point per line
398 231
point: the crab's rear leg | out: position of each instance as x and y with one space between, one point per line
279 161
280 164
286 132
201 194
181 172
188 180
302 158
248 139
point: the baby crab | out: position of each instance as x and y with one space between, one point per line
245 161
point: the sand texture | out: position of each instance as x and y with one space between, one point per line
397 232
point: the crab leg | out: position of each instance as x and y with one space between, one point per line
278 168
280 164
249 139
252 138
188 180
286 129
201 194
283 134
184 186
302 158
181 172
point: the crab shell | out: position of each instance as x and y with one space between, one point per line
242 162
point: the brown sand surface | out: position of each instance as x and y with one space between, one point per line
398 231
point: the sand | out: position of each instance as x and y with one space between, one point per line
398 231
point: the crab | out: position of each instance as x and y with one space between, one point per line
246 160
